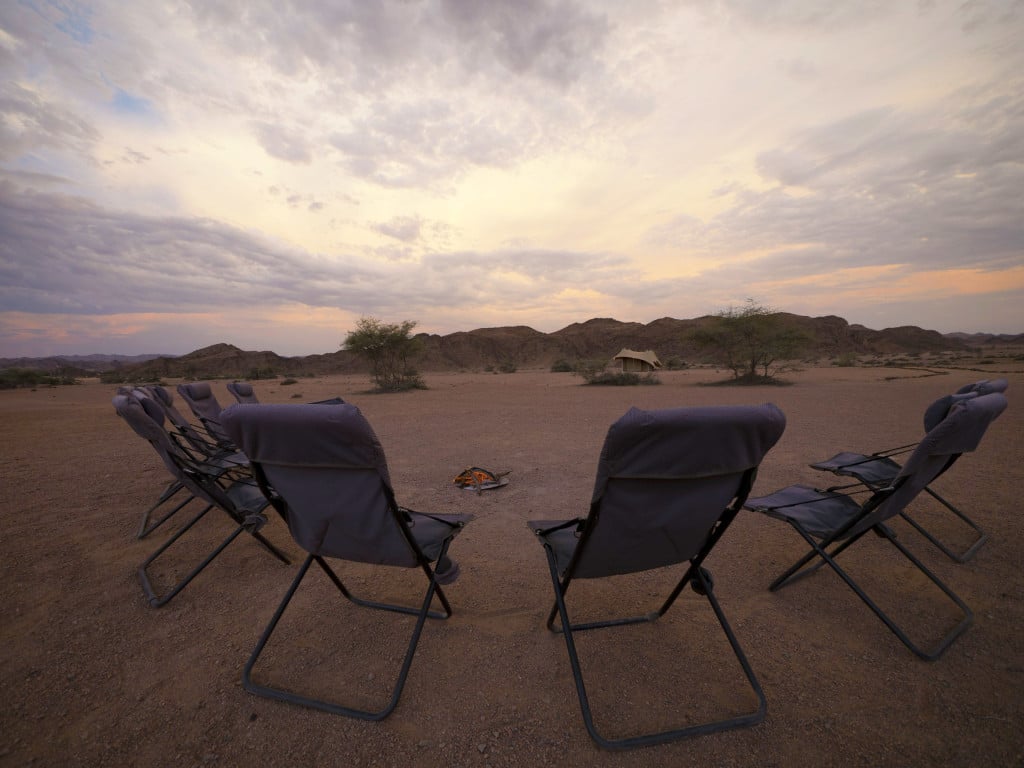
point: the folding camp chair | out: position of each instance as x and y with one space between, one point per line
202 402
879 469
668 485
173 488
328 470
187 436
213 483
242 391
831 519
202 442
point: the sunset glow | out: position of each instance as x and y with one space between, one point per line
178 175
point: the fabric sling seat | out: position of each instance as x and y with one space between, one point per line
831 521
880 469
326 473
215 484
669 483
242 391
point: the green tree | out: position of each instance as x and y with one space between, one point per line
752 341
387 347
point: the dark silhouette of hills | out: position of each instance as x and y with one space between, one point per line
520 347
75 365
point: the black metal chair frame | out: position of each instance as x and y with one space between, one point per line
841 541
422 614
887 457
700 582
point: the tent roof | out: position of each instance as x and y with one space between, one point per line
647 356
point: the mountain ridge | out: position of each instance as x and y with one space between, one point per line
520 346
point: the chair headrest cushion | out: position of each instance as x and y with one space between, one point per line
689 442
306 435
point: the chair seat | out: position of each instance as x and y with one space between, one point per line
870 470
247 497
561 535
432 531
818 512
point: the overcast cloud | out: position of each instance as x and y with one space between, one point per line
264 173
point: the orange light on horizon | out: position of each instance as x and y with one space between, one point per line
894 282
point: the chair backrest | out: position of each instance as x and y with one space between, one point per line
328 466
165 400
665 478
242 391
959 432
937 411
147 423
985 387
201 400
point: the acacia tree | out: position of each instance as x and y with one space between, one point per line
753 341
387 347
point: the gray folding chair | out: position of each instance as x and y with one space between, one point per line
880 469
171 491
828 519
669 483
325 470
242 391
202 402
198 441
190 440
216 484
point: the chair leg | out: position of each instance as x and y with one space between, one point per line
662 737
929 655
270 547
800 569
155 600
422 613
172 490
386 606
959 557
152 597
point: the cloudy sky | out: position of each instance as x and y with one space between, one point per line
265 172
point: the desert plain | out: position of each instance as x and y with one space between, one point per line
93 676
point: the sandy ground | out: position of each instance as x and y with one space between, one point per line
93 676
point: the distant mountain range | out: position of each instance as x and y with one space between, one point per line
520 347
76 363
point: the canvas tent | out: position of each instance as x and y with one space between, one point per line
638 362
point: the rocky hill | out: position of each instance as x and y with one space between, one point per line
524 347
